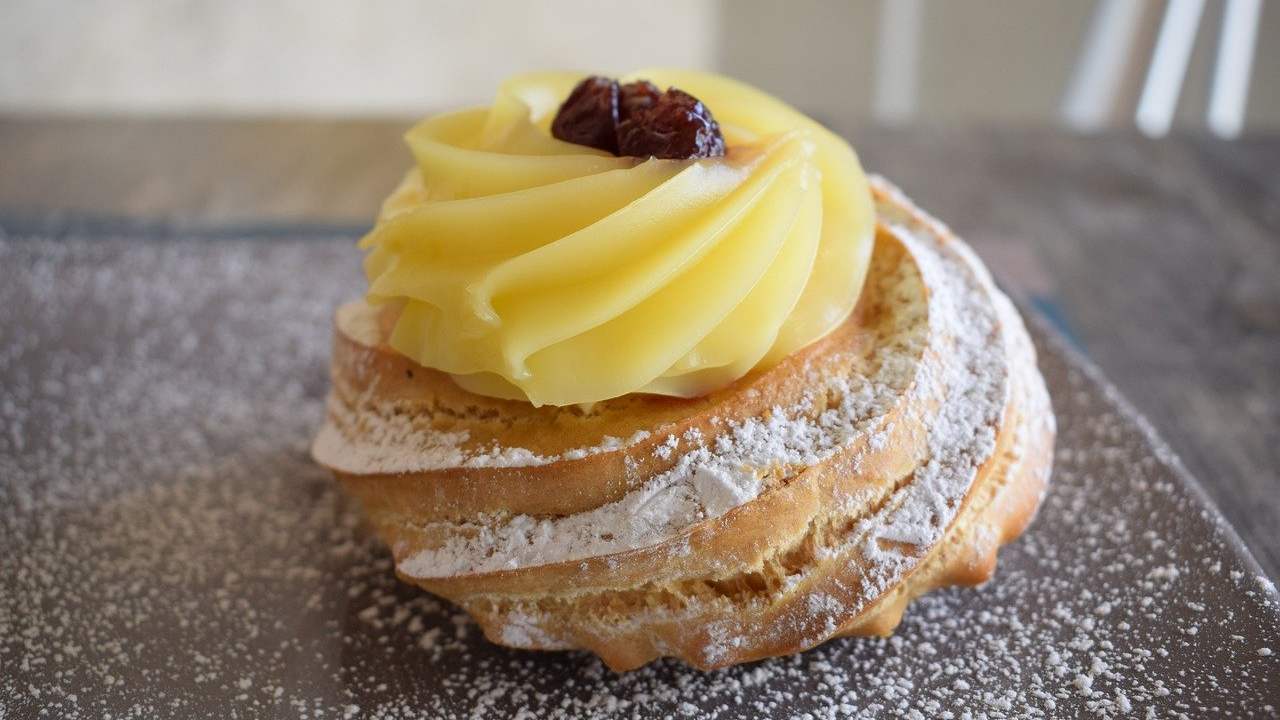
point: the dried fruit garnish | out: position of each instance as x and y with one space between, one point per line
636 96
590 115
677 126
639 120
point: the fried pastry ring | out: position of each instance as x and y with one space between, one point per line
804 502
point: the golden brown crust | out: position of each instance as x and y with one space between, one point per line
804 560
566 486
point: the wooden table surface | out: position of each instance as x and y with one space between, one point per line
1160 258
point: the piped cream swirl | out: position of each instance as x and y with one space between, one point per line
536 269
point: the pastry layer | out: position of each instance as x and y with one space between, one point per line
810 500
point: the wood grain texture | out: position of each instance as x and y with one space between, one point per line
1162 256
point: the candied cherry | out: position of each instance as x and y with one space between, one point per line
677 126
589 116
637 119
635 97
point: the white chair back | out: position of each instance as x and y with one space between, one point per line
1112 51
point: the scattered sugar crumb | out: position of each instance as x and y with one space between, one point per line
168 540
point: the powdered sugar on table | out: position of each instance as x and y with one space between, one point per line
171 551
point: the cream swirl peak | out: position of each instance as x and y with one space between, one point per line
531 268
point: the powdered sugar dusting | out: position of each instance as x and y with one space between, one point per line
970 377
378 439
170 550
710 478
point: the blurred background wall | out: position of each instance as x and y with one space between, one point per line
932 61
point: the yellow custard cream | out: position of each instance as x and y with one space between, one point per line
532 268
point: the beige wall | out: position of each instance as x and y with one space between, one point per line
345 56
980 60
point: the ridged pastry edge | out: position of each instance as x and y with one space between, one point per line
996 507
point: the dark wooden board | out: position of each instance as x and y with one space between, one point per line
171 551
